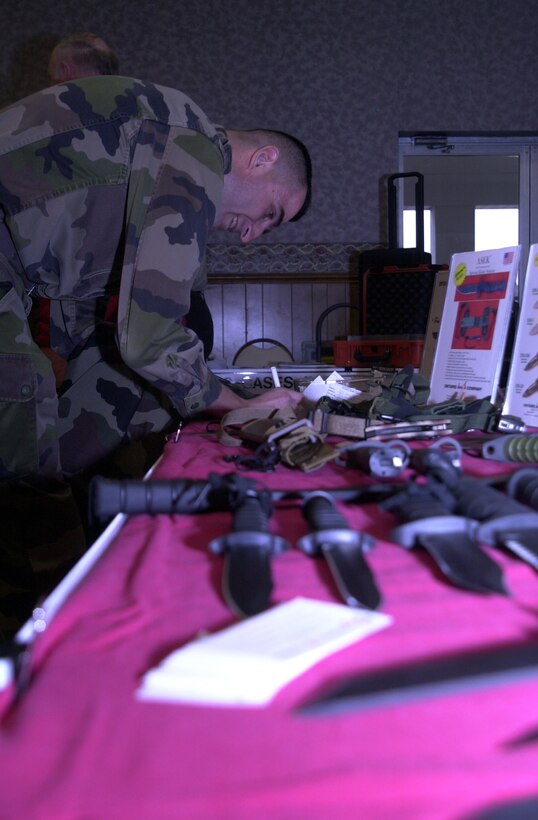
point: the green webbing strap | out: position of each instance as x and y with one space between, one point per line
408 386
479 414
405 399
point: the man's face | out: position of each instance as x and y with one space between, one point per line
253 206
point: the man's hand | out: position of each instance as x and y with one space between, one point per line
276 398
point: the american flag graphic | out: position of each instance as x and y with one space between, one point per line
508 257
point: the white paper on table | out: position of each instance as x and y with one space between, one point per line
335 390
334 377
333 386
248 663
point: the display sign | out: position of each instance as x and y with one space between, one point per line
522 388
474 325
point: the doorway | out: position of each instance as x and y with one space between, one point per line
471 183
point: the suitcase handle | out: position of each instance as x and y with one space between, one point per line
393 208
322 316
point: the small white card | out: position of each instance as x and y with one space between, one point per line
248 663
333 386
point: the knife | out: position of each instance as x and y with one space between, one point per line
342 548
247 578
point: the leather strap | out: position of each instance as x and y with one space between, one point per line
298 442
333 424
259 421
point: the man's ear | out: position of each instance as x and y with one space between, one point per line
264 158
65 71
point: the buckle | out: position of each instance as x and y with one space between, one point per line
509 424
286 429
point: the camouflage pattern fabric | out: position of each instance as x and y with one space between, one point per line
112 183
108 185
123 408
28 400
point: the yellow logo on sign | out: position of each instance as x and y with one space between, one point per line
460 273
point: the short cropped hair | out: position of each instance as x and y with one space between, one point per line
297 164
87 52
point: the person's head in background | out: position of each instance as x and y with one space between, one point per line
83 54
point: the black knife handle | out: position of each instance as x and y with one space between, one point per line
523 486
252 515
420 501
320 511
109 497
478 501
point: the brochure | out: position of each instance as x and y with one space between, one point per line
522 388
474 325
248 663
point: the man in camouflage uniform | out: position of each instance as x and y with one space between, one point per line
107 184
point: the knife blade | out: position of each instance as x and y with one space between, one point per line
441 676
247 577
428 522
342 548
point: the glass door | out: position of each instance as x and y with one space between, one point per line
477 191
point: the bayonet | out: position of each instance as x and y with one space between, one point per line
342 548
428 521
442 676
247 580
162 496
503 521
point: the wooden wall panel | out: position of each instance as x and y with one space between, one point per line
277 313
213 296
285 308
254 316
302 317
319 304
230 302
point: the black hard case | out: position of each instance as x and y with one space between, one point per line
396 283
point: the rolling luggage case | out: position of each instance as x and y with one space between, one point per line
396 285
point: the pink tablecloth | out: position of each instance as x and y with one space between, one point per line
80 746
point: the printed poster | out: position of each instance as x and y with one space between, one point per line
474 325
522 388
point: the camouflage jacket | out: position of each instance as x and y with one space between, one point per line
112 183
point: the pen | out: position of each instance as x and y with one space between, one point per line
276 379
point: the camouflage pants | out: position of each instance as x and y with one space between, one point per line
28 439
106 413
103 407
105 420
